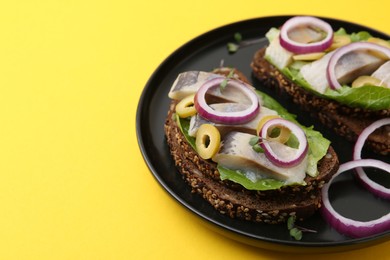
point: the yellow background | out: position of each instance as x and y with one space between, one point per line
73 183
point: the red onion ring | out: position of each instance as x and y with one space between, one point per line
348 226
331 68
302 48
235 117
372 186
296 130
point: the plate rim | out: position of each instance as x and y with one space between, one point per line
288 246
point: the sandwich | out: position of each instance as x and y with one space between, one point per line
341 78
242 151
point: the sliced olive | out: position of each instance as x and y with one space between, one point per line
208 140
379 41
279 134
309 56
339 41
263 120
366 81
185 107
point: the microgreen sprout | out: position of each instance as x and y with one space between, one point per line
225 81
238 37
254 142
296 231
232 47
239 43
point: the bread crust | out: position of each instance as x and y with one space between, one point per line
343 120
274 206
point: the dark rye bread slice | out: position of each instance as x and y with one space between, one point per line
273 206
343 120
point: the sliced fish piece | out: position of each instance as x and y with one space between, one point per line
315 73
355 64
349 67
249 127
383 74
188 83
278 55
237 154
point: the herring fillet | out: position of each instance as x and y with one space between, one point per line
383 74
355 64
315 73
349 67
278 56
237 154
188 83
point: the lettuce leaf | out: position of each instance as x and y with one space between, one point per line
355 37
271 103
367 97
241 178
184 125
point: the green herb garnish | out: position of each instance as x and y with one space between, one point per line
258 148
225 81
232 47
254 142
238 37
296 231
239 43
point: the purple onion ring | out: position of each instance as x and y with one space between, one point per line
350 227
372 186
302 48
301 151
235 117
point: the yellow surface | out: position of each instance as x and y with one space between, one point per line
73 182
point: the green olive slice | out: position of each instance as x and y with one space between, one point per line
185 108
208 140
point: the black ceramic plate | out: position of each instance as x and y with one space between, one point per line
206 53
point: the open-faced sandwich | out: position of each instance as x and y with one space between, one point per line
242 151
342 78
